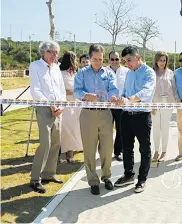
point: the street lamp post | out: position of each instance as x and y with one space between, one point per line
30 40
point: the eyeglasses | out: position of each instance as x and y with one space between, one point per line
180 60
114 59
53 52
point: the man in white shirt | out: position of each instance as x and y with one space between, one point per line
46 83
120 74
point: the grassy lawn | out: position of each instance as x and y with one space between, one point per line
19 204
14 83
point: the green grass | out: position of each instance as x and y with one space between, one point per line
14 83
19 204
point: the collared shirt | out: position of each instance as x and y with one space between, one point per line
101 83
140 83
178 78
46 82
119 75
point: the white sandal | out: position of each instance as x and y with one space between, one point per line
63 160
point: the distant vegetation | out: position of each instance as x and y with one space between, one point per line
16 54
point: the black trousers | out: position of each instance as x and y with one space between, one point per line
139 126
117 117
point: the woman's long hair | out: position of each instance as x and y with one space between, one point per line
68 62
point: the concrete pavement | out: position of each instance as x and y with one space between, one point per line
161 202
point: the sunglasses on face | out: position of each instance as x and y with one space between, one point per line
114 59
180 60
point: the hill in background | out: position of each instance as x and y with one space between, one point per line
16 54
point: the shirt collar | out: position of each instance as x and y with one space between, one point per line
138 69
46 64
101 69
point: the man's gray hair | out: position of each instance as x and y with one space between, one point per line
49 45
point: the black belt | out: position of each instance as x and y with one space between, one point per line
135 112
95 108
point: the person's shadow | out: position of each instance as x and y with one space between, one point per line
80 200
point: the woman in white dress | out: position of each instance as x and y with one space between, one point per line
70 136
165 93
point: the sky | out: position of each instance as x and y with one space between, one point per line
22 18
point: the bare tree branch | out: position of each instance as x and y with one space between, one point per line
116 21
51 20
144 30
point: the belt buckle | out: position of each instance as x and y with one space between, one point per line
131 113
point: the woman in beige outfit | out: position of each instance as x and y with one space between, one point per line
70 136
165 93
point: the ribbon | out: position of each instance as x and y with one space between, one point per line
86 104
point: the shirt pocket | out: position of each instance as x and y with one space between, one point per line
104 82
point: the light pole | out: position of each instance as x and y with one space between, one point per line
30 39
74 44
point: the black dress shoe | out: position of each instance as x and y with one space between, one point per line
108 184
52 179
95 189
38 187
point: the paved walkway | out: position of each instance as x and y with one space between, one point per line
13 93
161 202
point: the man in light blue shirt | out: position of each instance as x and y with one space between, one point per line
178 79
139 87
96 83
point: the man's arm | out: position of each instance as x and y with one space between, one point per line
147 92
134 99
79 91
174 89
35 87
178 80
79 86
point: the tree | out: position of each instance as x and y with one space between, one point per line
144 30
22 56
51 20
116 20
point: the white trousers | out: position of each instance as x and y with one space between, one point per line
161 124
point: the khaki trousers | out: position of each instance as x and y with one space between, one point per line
45 159
179 124
97 130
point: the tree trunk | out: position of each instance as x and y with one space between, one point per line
113 44
51 19
114 36
144 48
